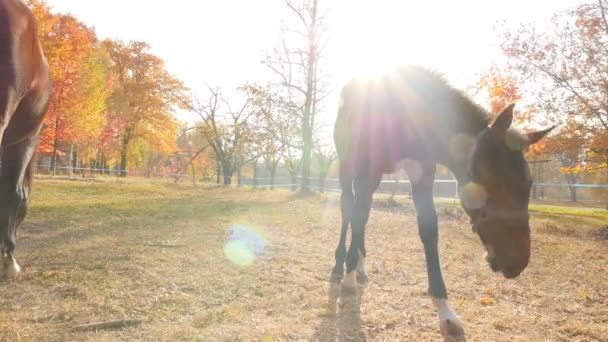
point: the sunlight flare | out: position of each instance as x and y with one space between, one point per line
244 244
474 196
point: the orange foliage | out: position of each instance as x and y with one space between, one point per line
67 44
565 66
501 87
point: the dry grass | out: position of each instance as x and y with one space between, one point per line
98 252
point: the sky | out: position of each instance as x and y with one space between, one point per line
222 42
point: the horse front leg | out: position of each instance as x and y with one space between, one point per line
364 186
346 209
15 186
449 323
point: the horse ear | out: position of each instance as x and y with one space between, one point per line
503 121
534 137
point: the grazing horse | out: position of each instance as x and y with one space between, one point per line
25 90
412 113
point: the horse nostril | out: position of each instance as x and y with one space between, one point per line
513 271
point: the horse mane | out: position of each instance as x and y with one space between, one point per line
445 99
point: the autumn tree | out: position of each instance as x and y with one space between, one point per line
297 67
68 45
193 153
229 129
568 147
568 62
501 88
86 118
565 68
143 100
275 120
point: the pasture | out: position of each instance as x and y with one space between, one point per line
228 264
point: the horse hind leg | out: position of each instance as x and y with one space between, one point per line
15 185
346 208
364 185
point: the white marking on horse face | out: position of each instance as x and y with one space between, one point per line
11 268
445 311
350 280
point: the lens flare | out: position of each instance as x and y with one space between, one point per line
474 196
514 140
244 244
461 146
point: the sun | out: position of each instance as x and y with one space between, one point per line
372 36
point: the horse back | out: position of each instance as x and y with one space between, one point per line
25 82
21 53
375 126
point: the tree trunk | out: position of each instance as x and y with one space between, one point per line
55 142
104 167
571 183
123 154
123 162
239 180
193 174
219 172
570 178
322 178
294 180
78 162
71 161
255 173
273 173
228 171
308 105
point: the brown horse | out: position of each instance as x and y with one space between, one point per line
412 113
25 90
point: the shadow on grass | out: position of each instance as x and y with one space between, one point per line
342 321
123 221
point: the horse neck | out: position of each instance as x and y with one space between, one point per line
465 125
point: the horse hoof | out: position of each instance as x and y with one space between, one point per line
362 278
335 278
11 268
334 291
348 290
452 331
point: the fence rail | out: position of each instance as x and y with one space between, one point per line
444 188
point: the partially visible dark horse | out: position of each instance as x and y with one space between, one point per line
25 90
412 113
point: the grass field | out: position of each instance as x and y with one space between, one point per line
221 264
